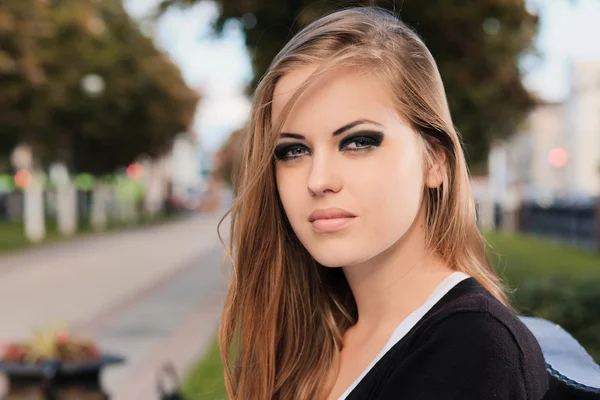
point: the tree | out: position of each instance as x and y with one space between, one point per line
476 44
49 47
226 159
20 74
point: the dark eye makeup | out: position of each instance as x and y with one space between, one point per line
359 141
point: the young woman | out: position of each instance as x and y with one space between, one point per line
358 268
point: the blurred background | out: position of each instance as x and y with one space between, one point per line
120 123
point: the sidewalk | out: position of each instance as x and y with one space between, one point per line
151 295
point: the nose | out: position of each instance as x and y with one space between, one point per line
323 176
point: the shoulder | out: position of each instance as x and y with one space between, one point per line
471 355
469 346
472 313
486 335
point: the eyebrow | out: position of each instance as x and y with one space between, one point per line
337 132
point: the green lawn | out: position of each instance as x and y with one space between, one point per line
12 236
518 258
522 257
205 381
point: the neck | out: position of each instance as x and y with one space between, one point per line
390 286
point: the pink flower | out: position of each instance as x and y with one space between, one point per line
62 338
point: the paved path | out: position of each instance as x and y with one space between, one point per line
153 295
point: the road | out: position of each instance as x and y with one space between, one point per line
153 295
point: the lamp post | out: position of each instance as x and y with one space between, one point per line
93 85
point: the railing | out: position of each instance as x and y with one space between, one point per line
574 223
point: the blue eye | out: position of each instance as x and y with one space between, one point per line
289 152
359 143
362 141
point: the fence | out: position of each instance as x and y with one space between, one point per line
11 204
569 222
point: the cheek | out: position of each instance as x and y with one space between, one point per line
390 193
401 200
289 188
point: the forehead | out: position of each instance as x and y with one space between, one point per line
336 98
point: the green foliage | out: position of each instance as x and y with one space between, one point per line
7 183
479 66
84 181
571 303
48 47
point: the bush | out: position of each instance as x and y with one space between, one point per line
572 303
553 281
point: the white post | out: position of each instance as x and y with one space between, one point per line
66 208
66 199
99 202
152 187
125 197
480 187
35 224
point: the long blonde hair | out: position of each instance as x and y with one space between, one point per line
285 315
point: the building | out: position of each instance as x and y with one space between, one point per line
177 175
556 152
582 129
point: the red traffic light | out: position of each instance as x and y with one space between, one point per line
558 157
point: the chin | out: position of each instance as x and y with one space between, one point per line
331 258
336 250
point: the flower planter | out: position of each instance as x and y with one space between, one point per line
54 380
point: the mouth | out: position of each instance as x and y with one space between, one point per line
331 224
330 220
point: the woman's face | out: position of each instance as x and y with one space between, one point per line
349 169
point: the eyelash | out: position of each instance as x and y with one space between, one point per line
373 140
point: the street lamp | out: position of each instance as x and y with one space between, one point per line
491 26
93 85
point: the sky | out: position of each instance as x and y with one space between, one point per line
569 31
220 68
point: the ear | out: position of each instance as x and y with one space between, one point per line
436 171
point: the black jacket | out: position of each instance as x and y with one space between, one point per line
469 346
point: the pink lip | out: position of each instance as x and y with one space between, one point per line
330 219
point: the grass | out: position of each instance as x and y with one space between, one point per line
205 380
13 238
553 281
518 258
